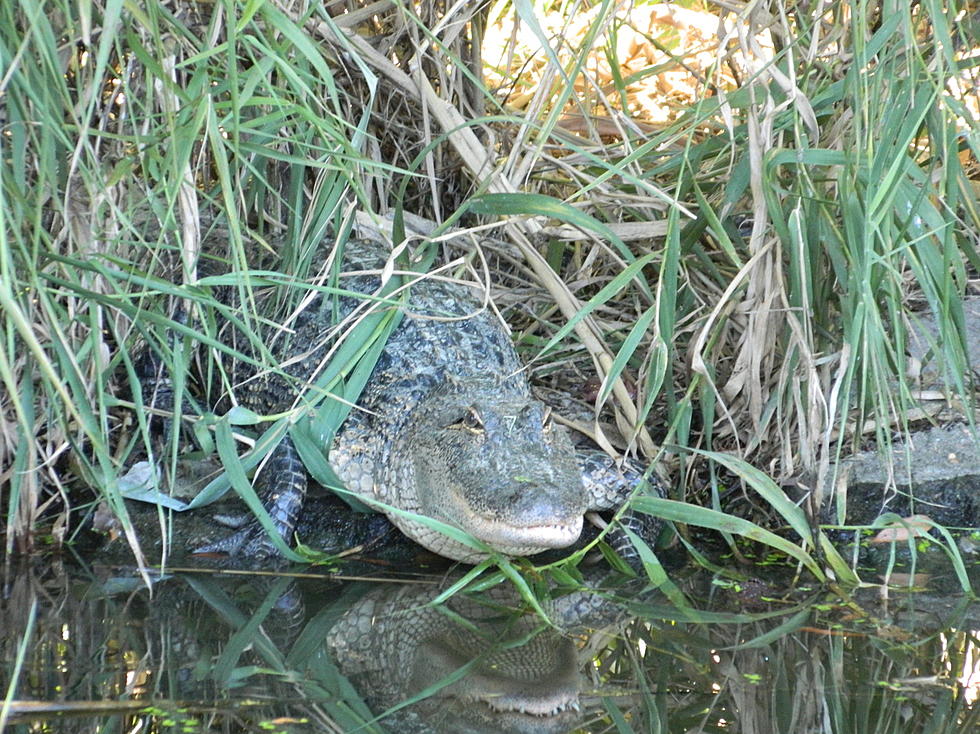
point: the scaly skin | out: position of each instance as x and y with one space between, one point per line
446 427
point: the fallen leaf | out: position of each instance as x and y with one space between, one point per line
914 526
920 580
106 522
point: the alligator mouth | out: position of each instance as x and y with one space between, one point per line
519 534
504 536
531 707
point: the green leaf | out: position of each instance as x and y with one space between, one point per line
239 415
713 519
540 205
768 490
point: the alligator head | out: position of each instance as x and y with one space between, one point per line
491 462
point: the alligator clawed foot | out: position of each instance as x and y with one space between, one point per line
251 543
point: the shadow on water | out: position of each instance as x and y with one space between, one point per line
91 649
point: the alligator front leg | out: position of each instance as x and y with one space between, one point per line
281 484
609 485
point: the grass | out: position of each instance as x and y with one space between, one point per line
742 273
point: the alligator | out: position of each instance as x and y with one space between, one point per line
445 427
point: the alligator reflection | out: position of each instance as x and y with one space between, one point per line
476 663
94 650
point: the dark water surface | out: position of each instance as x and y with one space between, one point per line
92 649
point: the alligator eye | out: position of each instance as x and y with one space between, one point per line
470 422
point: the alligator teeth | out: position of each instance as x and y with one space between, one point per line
573 705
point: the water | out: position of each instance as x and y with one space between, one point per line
91 649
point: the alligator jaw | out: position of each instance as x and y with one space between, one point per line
502 536
533 707
518 532
541 693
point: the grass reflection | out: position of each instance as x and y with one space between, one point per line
233 653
